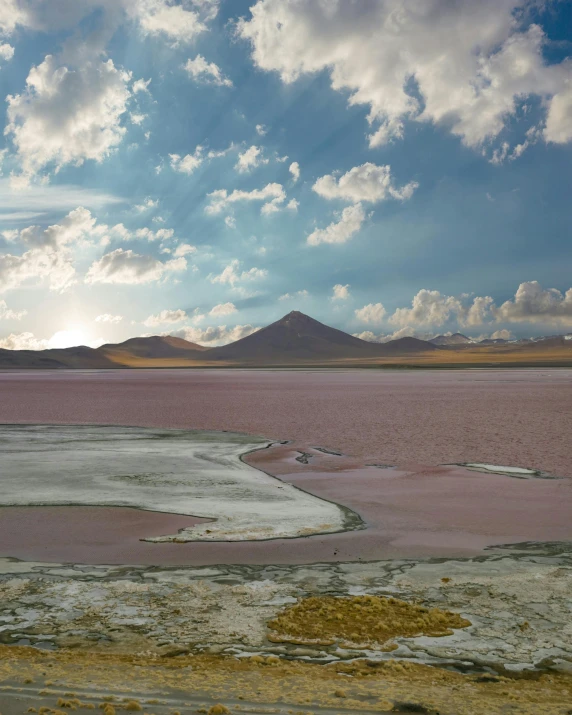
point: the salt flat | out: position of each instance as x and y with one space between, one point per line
173 471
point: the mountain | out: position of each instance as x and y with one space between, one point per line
77 357
297 338
144 352
454 339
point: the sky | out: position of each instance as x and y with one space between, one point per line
202 167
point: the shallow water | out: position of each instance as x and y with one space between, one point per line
510 417
415 420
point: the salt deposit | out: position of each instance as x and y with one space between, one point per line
171 471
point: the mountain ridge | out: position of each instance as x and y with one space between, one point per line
294 340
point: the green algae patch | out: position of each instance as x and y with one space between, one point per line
359 621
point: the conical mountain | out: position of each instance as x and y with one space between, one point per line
298 338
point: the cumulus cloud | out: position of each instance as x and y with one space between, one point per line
8 314
148 203
503 334
533 304
215 335
180 23
294 169
367 182
162 234
22 341
300 294
222 309
477 313
340 292
141 85
468 65
261 130
428 307
109 318
350 222
184 249
406 332
371 313
6 52
558 127
188 163
67 114
250 159
231 274
220 200
165 317
206 72
127 267
50 252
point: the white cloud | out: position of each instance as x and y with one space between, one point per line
141 85
127 267
261 130
477 313
67 114
50 252
12 14
206 72
176 22
503 334
350 222
219 335
232 275
221 199
429 307
533 304
165 317
137 119
147 204
8 314
189 163
6 52
108 318
367 182
22 341
293 205
223 309
294 169
340 292
250 159
184 249
300 294
162 234
405 332
558 127
230 221
371 313
472 64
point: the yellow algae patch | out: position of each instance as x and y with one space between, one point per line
359 620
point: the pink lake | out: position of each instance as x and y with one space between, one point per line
416 420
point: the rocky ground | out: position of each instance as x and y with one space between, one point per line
518 603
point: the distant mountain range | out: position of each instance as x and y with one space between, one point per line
296 340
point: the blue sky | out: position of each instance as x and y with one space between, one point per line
202 168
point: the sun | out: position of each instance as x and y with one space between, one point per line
68 338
